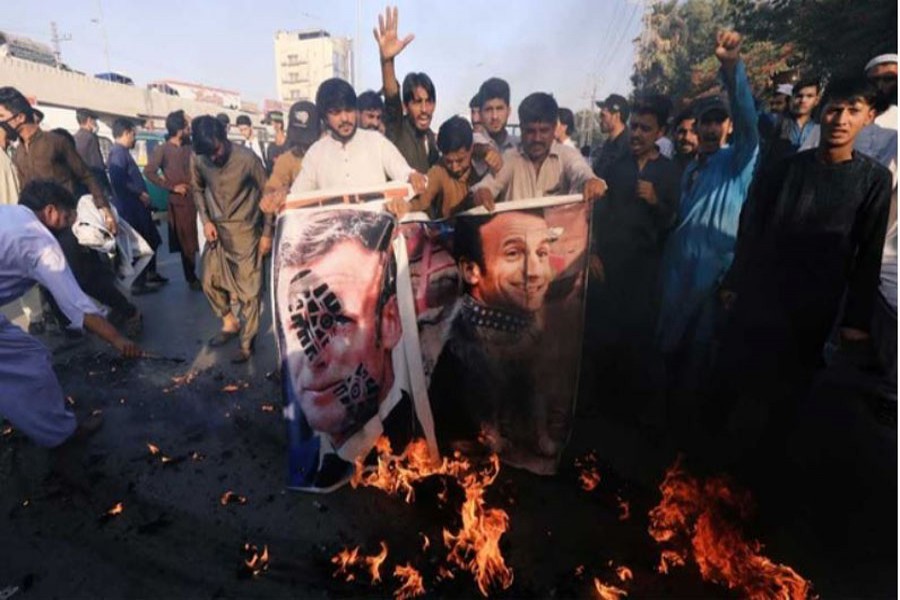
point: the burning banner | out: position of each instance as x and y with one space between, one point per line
338 325
499 301
465 332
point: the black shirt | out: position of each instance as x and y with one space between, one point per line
624 222
612 151
811 231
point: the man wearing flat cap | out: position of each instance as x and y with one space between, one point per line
613 117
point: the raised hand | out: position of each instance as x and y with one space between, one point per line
728 47
389 43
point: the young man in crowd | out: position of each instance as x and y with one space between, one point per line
686 141
475 113
614 113
808 255
449 181
279 145
304 129
240 235
169 167
132 200
371 111
795 130
541 167
46 155
565 129
88 145
410 132
494 139
251 140
630 227
348 155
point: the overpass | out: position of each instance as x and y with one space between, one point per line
54 88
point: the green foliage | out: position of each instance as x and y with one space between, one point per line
828 37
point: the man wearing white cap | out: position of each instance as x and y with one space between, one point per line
882 72
780 99
879 141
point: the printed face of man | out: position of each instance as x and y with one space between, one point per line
338 351
842 120
494 116
804 101
246 131
517 273
537 137
420 109
644 133
370 119
341 122
686 138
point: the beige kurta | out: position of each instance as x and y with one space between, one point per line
228 196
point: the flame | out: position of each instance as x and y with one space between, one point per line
608 592
476 546
7 430
579 570
118 509
344 559
412 585
234 387
624 574
154 450
425 542
196 456
696 519
625 507
374 563
588 476
230 497
181 380
258 561
267 408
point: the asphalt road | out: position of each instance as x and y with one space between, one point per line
835 522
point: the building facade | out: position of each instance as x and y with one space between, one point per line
306 58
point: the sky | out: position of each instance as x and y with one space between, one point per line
570 48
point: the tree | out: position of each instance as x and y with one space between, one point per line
827 37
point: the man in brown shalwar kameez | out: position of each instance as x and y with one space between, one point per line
173 160
238 235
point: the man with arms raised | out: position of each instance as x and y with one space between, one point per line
411 133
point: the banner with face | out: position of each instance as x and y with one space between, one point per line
499 301
343 368
466 332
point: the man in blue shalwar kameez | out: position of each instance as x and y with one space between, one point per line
700 250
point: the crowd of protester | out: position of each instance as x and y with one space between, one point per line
732 244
